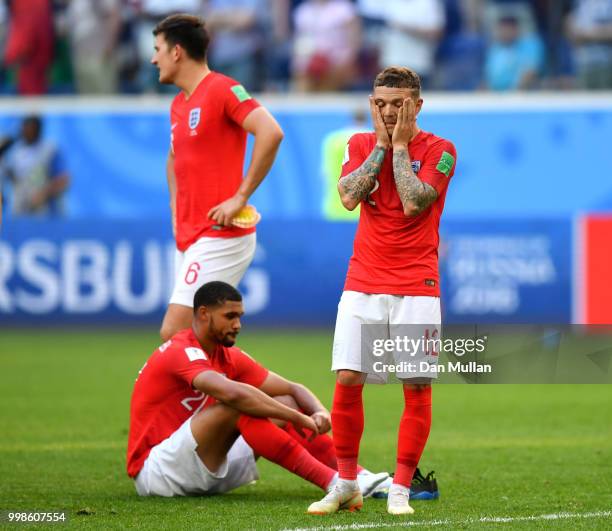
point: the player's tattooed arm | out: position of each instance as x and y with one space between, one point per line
415 195
356 186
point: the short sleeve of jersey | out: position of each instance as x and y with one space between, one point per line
248 371
439 165
353 155
188 362
238 102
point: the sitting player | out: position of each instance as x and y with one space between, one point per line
201 413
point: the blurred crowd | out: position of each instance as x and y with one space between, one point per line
104 46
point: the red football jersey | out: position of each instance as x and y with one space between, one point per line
392 253
163 397
209 144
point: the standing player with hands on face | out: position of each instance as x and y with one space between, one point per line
399 174
213 226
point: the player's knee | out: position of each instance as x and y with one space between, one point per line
347 377
177 318
165 332
287 400
417 386
218 414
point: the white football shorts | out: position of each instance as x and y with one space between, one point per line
173 468
365 321
208 259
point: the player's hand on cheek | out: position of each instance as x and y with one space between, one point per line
226 211
382 136
404 127
410 113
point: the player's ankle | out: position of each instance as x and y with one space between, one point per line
347 485
399 489
332 483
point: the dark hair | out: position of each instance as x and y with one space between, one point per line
399 77
33 125
509 19
34 120
214 294
188 31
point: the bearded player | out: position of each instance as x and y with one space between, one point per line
210 119
201 409
399 175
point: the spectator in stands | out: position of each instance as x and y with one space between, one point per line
61 77
278 46
238 30
460 56
551 17
3 21
148 14
372 13
29 44
93 27
591 30
514 59
326 45
5 144
3 31
413 32
36 173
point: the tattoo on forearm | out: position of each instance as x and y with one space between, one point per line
409 187
359 183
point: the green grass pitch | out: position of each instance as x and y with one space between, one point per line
505 451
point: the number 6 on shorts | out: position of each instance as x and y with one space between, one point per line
192 273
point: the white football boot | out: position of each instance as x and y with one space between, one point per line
397 502
344 495
369 482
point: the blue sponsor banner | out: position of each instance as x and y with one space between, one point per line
65 272
94 272
507 271
121 272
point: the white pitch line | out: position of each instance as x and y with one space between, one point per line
482 520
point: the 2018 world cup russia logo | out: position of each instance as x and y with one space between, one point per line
194 118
